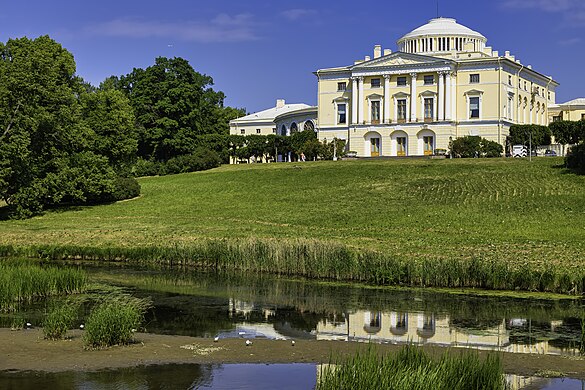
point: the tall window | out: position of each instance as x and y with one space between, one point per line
242 131
474 78
401 108
294 128
510 107
428 145
509 79
401 146
474 107
375 83
429 108
375 104
341 87
309 126
429 79
341 113
401 81
258 131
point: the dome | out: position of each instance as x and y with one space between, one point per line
440 35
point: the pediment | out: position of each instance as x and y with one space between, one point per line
400 59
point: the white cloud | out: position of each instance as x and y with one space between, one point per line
570 41
222 28
298 13
572 10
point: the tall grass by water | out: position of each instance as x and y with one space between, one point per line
412 368
334 261
114 321
23 281
59 320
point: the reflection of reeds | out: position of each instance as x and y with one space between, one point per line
24 282
412 368
323 259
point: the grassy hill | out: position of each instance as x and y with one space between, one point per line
500 209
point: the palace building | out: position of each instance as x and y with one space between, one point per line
443 83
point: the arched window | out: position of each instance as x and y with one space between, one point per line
309 126
283 130
294 128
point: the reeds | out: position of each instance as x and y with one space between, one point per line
333 261
412 368
114 321
59 320
22 281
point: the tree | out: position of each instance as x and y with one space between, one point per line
475 146
45 146
173 104
108 113
524 134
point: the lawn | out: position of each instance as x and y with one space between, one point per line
501 209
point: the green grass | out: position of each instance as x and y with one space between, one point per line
412 368
511 213
59 320
23 281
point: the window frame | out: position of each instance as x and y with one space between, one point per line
474 78
378 82
341 86
426 79
338 113
401 81
470 110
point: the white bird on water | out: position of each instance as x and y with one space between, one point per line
248 343
81 326
28 325
216 339
292 343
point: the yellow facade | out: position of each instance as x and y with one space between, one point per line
573 110
415 102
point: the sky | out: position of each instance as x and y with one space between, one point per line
258 51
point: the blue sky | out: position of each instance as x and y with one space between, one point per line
260 50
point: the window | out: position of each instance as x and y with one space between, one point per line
258 131
401 146
549 96
341 87
341 114
401 106
309 126
474 78
582 116
375 105
274 130
525 87
557 118
401 81
428 145
283 130
474 107
294 128
243 131
509 79
375 83
429 79
428 108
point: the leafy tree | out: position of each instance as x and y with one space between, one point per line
475 146
568 132
521 134
575 159
173 104
108 113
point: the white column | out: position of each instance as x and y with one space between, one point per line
354 98
448 113
441 96
360 101
386 98
413 97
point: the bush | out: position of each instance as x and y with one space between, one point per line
114 321
200 160
575 159
59 320
475 146
125 188
148 168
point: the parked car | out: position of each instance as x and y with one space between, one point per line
550 153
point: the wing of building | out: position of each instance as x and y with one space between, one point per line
443 83
263 122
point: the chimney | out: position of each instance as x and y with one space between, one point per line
377 51
367 58
280 103
507 53
387 52
496 53
529 66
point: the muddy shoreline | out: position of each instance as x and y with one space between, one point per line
26 350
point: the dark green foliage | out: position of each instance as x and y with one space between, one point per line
114 321
173 105
59 320
412 368
575 159
568 132
521 135
475 146
125 188
200 160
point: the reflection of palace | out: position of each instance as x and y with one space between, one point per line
428 328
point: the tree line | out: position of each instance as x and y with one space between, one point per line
64 141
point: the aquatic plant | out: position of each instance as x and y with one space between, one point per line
412 368
25 281
59 320
114 321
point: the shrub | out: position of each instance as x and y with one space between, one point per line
114 321
575 159
148 168
59 320
125 188
200 160
475 146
